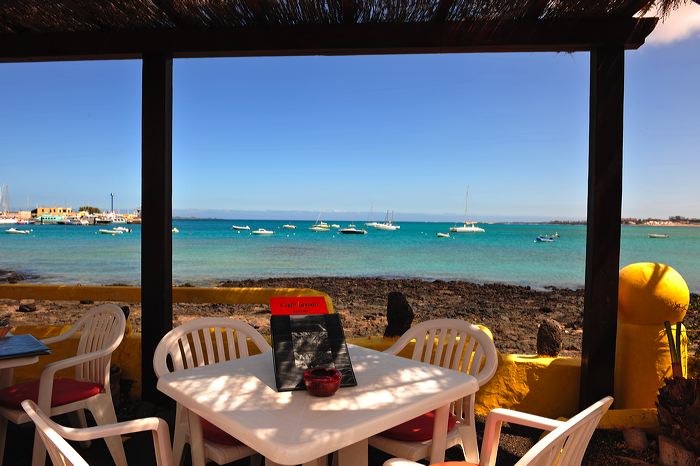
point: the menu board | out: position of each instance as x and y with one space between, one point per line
21 345
302 342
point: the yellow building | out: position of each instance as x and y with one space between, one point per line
39 211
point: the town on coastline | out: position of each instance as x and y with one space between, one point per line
85 215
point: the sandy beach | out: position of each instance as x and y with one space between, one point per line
513 313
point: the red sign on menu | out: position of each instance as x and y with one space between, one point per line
294 306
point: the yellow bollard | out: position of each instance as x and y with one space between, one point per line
649 294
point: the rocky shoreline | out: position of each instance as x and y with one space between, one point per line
513 313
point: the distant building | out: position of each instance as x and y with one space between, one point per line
62 211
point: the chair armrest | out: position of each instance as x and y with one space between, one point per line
492 431
523 419
47 375
158 427
67 334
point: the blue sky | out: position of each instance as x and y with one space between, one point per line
404 133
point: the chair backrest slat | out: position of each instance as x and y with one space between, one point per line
220 350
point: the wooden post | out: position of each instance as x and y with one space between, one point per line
156 198
603 230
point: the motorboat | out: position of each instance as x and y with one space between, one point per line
352 231
262 231
238 227
103 220
15 231
25 222
467 227
659 235
119 219
289 226
544 239
443 235
112 232
123 229
175 230
335 225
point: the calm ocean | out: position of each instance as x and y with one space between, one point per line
207 251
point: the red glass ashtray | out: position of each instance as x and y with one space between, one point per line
321 381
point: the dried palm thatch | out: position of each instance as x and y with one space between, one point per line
37 16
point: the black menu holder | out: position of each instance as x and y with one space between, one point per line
16 346
301 342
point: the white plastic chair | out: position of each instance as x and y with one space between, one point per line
565 445
63 454
101 330
457 345
198 343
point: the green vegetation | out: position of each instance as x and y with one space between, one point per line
89 209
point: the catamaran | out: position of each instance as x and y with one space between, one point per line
388 224
468 227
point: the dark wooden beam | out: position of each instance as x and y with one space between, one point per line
338 39
156 199
603 226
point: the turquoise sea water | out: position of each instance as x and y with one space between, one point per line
207 251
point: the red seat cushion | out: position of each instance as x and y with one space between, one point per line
417 429
214 434
65 391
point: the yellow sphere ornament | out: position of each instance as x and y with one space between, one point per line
651 293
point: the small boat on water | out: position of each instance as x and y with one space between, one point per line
352 231
443 235
123 229
467 227
320 225
289 226
112 232
262 231
25 222
659 235
175 230
388 225
15 231
544 239
335 225
237 227
318 228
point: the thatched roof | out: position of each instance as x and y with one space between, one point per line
18 16
499 23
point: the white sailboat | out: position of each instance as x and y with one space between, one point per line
388 224
320 225
467 227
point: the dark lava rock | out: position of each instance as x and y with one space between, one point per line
549 338
399 315
27 308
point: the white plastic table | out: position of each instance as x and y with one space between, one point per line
292 428
6 366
